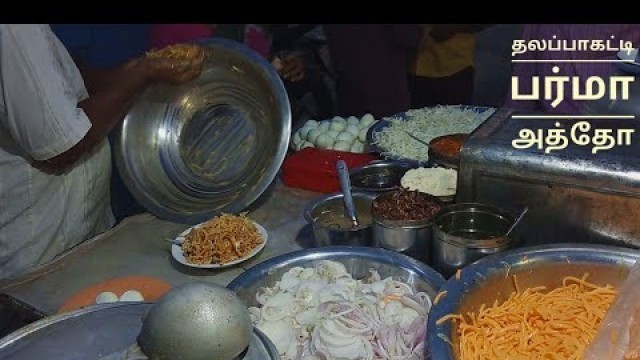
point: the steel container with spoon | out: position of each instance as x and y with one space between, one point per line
466 232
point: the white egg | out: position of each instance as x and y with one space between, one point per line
353 129
313 135
357 147
131 295
352 120
311 123
324 126
362 135
337 126
339 119
345 136
106 297
304 132
341 146
296 138
333 134
306 144
367 120
324 141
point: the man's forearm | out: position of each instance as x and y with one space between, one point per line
97 80
105 108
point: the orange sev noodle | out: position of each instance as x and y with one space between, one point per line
221 240
535 323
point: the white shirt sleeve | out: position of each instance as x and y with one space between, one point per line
40 99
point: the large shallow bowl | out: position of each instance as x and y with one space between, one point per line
489 279
358 261
95 332
214 145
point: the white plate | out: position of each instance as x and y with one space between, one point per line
176 250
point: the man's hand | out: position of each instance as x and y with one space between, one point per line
175 65
290 66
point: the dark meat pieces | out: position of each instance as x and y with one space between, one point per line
406 205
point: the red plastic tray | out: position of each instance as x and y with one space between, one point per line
315 169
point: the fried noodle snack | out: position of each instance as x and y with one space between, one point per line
535 323
221 240
179 55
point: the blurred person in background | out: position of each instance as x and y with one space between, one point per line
583 70
442 72
55 162
298 54
371 63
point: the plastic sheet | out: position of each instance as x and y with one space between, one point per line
619 335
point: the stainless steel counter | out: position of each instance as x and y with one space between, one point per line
137 246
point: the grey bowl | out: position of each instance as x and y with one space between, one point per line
358 260
378 176
326 235
214 145
466 232
196 321
96 332
489 279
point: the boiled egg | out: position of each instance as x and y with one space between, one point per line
131 295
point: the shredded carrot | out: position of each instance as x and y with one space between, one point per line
535 323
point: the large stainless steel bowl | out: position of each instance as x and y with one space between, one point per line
214 145
489 279
97 332
358 261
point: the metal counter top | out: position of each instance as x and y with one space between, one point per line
137 246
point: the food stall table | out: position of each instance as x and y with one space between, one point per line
139 246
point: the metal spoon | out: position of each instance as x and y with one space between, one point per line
515 223
345 184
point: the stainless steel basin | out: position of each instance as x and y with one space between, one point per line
214 145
